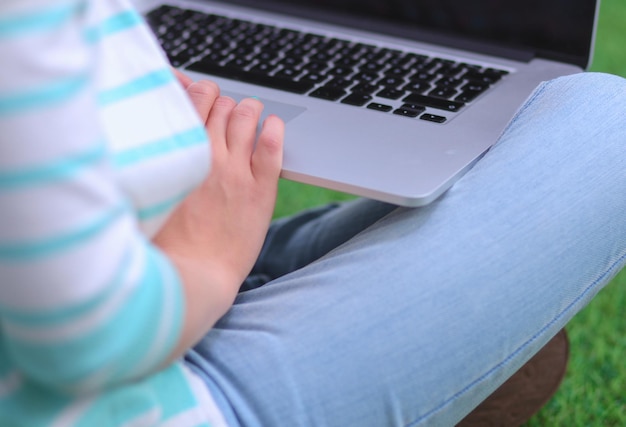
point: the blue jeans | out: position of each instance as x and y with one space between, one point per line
372 315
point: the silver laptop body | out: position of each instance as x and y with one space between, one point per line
408 161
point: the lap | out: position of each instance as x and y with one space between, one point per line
418 317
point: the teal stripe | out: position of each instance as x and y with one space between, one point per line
32 250
43 20
120 342
161 208
136 87
50 173
182 140
115 24
59 316
53 93
177 394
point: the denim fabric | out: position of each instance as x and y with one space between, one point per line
381 316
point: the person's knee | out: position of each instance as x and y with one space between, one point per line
594 87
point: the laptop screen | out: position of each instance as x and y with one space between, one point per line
554 29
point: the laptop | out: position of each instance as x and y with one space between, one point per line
390 100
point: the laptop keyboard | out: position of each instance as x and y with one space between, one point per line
388 80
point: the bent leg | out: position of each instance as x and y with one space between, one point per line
298 240
417 319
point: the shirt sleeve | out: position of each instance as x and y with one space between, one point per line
85 300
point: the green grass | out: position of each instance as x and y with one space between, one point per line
594 390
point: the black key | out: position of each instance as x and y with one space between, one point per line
414 107
443 92
329 93
448 82
390 93
433 118
366 77
379 107
422 76
314 78
340 71
232 73
313 38
400 60
263 67
357 99
266 56
496 71
315 66
346 61
391 81
365 88
238 63
417 86
452 71
321 56
215 57
397 72
438 103
467 96
339 82
406 112
290 61
371 67
288 73
476 87
482 77
298 52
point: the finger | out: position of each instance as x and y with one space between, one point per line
242 127
203 95
267 158
182 78
218 121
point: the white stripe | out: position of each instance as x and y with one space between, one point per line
155 354
148 419
204 400
191 417
10 383
78 326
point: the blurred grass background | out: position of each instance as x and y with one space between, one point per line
594 390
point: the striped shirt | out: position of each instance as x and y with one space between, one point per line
98 143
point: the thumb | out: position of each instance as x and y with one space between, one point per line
267 159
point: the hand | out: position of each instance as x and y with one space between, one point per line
216 234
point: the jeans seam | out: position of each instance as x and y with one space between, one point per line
608 272
532 97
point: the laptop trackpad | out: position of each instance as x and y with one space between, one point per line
286 112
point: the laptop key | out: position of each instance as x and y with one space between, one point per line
433 118
379 107
339 82
288 73
357 98
238 74
415 107
468 96
390 93
328 93
443 92
406 112
438 103
365 88
315 78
